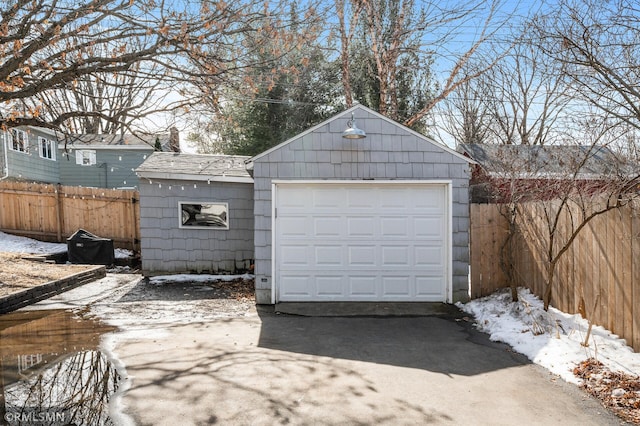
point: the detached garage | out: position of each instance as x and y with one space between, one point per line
374 213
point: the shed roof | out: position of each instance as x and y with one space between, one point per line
546 161
199 167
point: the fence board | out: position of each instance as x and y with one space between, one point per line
54 212
604 260
635 277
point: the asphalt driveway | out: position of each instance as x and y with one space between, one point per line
194 357
280 369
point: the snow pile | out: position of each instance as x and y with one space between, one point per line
16 244
200 278
552 339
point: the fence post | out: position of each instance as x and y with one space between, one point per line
136 223
59 213
635 277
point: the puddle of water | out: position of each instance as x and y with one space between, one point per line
51 371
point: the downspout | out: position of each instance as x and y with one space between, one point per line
5 169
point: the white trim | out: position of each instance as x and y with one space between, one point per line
448 212
52 148
90 154
5 138
25 140
449 263
76 146
194 177
363 181
274 194
370 111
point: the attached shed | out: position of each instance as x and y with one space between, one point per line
196 214
380 218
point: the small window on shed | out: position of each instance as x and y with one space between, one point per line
204 215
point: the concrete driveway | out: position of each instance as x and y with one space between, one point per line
267 369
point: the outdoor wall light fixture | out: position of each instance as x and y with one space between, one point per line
352 131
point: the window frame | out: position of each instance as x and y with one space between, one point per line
82 154
52 148
181 211
23 140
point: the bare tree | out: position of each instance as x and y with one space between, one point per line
523 99
407 37
442 21
598 44
528 97
47 46
466 115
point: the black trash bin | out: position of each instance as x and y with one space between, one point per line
86 248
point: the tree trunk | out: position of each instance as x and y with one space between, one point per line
549 285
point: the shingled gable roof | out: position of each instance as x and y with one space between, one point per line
547 161
195 167
88 141
346 115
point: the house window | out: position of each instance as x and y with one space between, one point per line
19 140
47 148
204 215
85 157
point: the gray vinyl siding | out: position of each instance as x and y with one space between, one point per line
389 151
28 165
114 168
168 249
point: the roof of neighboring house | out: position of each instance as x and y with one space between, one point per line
547 161
93 141
199 167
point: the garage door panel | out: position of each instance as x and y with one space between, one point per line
394 227
362 255
328 226
361 226
296 286
362 242
396 286
363 286
330 286
295 255
297 199
360 200
429 286
293 226
328 197
429 227
392 198
395 256
329 256
429 256
431 200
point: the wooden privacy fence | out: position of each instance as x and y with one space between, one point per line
54 212
602 267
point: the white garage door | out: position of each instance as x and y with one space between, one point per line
361 241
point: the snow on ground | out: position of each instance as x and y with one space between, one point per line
551 339
16 244
200 278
